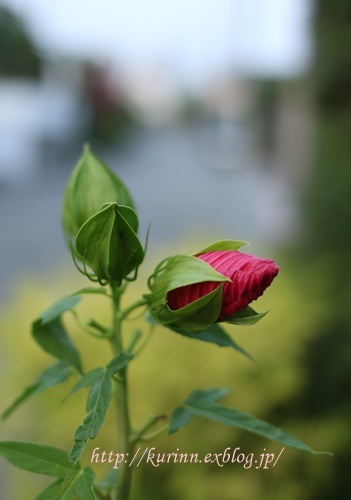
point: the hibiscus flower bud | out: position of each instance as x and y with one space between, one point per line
249 277
218 283
91 185
107 242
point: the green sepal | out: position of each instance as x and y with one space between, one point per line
53 338
221 245
245 317
178 271
108 243
203 403
196 316
50 377
91 184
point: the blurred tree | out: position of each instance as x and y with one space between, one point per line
18 56
110 118
329 209
328 236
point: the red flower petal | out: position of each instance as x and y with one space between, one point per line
249 275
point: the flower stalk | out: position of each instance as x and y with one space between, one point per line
125 445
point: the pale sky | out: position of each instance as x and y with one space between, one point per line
195 38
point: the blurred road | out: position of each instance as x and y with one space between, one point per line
186 182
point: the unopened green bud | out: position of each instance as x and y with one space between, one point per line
108 243
91 185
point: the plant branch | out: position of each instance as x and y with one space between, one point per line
123 422
154 434
150 422
85 327
132 307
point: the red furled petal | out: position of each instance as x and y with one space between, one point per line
249 275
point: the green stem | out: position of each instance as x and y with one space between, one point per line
146 340
154 434
136 336
132 307
101 495
150 422
85 327
124 431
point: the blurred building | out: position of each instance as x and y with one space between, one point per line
35 116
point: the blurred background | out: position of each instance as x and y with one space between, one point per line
227 120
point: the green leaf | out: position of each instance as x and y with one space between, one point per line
52 337
245 317
87 380
216 335
91 290
78 486
108 482
119 362
180 417
52 492
206 397
93 376
48 378
37 458
81 486
97 405
64 304
203 404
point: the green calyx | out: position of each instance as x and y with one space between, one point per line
222 246
186 269
91 185
176 272
107 242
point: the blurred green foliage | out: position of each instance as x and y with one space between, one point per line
327 243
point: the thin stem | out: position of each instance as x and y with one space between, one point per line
84 326
132 307
124 442
146 340
150 422
133 341
154 434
